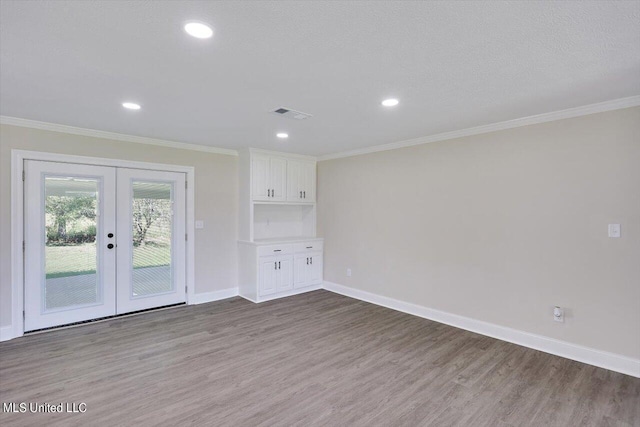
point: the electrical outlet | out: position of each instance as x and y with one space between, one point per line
558 314
348 272
614 230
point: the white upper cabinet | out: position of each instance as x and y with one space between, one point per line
301 181
294 194
260 189
277 178
308 178
268 178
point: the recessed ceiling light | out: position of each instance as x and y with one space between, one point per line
282 135
198 30
390 102
131 105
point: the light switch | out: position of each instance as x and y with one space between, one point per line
614 230
199 224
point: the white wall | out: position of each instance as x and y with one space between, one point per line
499 227
216 199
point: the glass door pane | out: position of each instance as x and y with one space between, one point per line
152 220
71 256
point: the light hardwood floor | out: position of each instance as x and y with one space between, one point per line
317 359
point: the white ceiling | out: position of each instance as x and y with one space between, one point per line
453 65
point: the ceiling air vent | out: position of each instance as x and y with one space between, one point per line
292 114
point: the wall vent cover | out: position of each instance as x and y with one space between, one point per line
292 114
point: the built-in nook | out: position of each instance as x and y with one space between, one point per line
279 253
283 221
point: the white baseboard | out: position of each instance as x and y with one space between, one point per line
6 333
292 292
214 296
602 359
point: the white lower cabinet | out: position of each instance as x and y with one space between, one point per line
269 271
275 275
307 269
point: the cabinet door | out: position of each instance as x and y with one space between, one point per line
260 178
294 191
278 179
267 275
284 280
301 269
308 181
315 269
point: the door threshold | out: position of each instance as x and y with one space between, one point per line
103 319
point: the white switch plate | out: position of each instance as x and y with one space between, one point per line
348 272
199 224
614 230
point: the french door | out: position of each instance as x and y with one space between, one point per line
101 241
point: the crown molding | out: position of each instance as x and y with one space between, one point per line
34 124
616 104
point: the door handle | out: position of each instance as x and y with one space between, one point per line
275 265
301 194
309 247
307 261
279 268
311 260
110 246
304 194
277 250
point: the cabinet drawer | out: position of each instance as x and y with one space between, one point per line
313 246
275 250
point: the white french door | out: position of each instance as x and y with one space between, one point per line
101 241
151 267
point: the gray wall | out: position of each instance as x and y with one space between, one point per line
499 227
216 199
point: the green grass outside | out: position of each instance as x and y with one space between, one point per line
73 260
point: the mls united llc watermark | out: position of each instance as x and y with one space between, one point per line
35 407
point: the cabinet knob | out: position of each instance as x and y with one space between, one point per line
110 246
110 235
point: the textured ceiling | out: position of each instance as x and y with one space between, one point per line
453 65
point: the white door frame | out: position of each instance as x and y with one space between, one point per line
17 219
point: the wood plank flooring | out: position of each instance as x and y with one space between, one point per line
317 359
